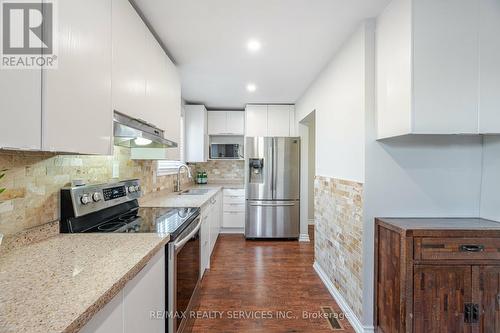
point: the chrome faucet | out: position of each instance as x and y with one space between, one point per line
178 185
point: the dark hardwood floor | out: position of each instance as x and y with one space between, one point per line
264 279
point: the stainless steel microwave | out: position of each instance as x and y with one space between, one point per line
226 151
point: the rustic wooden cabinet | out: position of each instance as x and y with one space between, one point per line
437 275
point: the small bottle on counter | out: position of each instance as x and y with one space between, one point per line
204 178
199 179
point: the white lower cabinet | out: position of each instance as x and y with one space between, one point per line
211 221
131 310
215 219
205 242
234 210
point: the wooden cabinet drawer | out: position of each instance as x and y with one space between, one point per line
234 207
457 248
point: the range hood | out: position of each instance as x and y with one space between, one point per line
135 133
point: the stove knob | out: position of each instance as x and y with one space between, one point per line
137 188
96 197
85 199
131 189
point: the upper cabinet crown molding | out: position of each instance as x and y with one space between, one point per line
226 122
270 120
437 67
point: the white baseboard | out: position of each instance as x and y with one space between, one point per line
232 231
353 319
311 222
304 238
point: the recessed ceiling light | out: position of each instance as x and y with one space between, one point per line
253 45
251 87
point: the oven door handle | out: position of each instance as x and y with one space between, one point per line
180 243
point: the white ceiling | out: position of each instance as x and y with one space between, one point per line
207 40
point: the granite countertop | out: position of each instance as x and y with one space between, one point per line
58 284
169 199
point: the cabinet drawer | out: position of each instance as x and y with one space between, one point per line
234 199
232 192
234 220
457 248
234 207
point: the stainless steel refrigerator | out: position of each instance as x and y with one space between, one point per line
272 182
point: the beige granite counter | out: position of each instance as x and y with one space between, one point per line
169 199
58 284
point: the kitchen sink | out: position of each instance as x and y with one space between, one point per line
195 191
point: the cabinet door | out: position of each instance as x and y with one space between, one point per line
278 120
235 123
205 244
293 126
195 139
109 319
445 66
256 120
439 297
129 81
77 95
489 113
486 293
234 219
21 109
172 91
143 294
217 122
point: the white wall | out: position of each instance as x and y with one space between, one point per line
312 166
337 95
490 200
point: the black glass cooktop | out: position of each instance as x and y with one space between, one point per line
150 220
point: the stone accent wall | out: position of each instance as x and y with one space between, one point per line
222 171
33 181
338 236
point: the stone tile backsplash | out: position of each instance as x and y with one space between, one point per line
33 181
338 236
222 171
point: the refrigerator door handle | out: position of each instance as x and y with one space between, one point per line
275 169
260 204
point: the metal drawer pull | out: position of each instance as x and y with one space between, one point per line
471 248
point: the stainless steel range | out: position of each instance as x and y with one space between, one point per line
113 207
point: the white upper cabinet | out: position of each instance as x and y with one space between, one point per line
489 115
256 120
235 122
146 83
77 94
278 120
270 120
428 67
226 123
217 122
129 53
21 109
196 137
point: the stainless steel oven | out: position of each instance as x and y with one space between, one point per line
183 278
